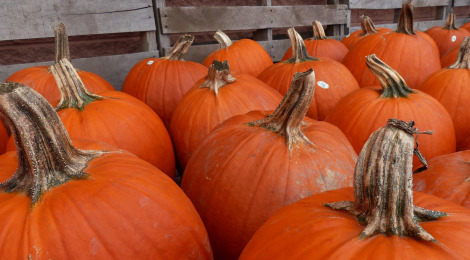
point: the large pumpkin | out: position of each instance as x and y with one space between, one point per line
41 79
333 79
377 219
162 82
245 56
252 165
211 101
413 54
60 202
449 36
320 46
367 28
363 111
451 87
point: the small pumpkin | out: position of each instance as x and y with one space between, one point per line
449 36
320 46
367 28
380 218
245 56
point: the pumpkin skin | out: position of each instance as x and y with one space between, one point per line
447 178
245 56
363 111
202 109
334 79
368 28
449 57
414 56
447 37
162 82
245 171
320 46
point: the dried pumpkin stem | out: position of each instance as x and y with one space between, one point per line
46 156
287 118
180 48
450 22
367 26
73 93
218 76
405 23
463 58
62 50
318 32
393 85
299 51
222 39
383 185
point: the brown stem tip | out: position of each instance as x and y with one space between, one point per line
218 76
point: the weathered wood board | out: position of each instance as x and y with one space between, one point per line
392 4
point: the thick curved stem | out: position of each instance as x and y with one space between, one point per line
463 58
222 39
394 86
287 118
299 51
318 32
405 23
46 156
180 48
73 93
62 50
367 26
218 76
450 22
383 185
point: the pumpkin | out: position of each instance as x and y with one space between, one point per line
368 28
413 54
449 36
162 82
59 202
212 100
252 165
114 118
449 57
380 218
245 56
465 26
333 78
451 87
363 111
41 79
321 46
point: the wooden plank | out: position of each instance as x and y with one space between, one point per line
420 26
461 2
25 19
112 68
213 18
392 4
148 41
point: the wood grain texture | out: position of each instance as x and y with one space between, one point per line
213 18
461 2
391 4
25 19
420 26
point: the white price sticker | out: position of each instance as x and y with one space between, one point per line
323 84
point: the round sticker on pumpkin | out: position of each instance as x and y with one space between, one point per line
454 38
323 84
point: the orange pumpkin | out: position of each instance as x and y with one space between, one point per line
321 46
363 111
162 82
60 202
449 36
413 54
41 79
333 79
252 165
368 28
245 56
380 218
449 57
211 101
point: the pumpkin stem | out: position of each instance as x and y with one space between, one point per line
180 48
405 23
62 50
299 51
383 181
73 93
286 120
463 58
368 27
222 39
318 32
393 85
46 156
218 76
450 22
